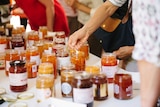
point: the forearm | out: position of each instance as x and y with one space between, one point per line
150 83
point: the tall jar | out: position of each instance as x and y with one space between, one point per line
18 76
31 69
42 32
78 59
122 86
83 89
85 48
10 56
100 86
109 65
39 44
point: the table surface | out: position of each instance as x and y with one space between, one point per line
93 60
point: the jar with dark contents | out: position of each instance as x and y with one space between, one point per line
122 86
100 86
82 89
18 76
66 82
60 38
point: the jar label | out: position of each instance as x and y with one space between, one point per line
43 94
127 90
66 88
59 40
3 47
62 61
83 95
100 90
109 70
18 79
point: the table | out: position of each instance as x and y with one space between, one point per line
93 60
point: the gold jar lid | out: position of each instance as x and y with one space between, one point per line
18 104
45 68
25 96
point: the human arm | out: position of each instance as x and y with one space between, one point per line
103 12
50 12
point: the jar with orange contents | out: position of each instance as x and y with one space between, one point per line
51 58
39 44
31 69
32 54
2 60
78 59
3 43
47 46
85 48
32 37
42 32
92 69
11 55
109 65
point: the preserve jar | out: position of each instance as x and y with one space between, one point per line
50 58
31 69
45 68
44 87
122 86
32 54
39 45
100 86
47 46
18 76
3 43
2 60
66 82
10 56
42 32
78 59
32 37
109 65
92 69
83 89
60 38
85 48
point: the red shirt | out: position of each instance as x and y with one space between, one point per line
36 13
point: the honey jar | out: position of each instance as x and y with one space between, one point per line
42 32
100 86
3 43
32 54
51 58
66 82
109 65
45 68
18 76
83 89
78 59
60 38
11 55
122 86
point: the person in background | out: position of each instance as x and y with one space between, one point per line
45 13
71 16
147 50
4 12
146 27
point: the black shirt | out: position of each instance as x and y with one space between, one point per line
3 2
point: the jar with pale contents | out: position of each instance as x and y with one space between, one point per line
10 56
18 76
109 65
122 86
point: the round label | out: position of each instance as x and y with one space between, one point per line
66 88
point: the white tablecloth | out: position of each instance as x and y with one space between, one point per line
109 102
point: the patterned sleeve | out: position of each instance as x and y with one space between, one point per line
118 3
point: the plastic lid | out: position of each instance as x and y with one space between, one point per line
25 96
18 104
2 91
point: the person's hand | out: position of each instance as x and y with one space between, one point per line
78 38
124 52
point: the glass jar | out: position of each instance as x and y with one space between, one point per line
42 32
85 48
8 29
109 65
66 82
32 54
18 76
92 69
2 60
78 59
83 89
32 37
39 45
3 43
100 86
11 55
68 67
47 46
122 86
31 69
60 38
51 58
45 68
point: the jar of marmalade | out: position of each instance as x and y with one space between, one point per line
109 65
42 32
85 48
66 82
83 89
31 69
32 37
122 86
11 55
18 76
100 86
39 45
3 43
78 59
60 38
50 58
